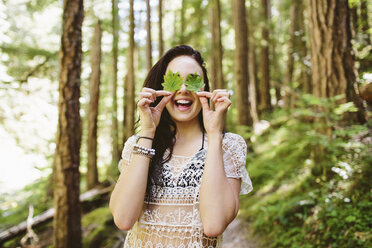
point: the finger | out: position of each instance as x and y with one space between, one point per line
204 103
148 95
224 99
219 93
145 89
205 94
163 102
223 103
162 93
144 102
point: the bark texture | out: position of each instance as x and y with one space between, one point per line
265 98
114 115
217 81
241 63
332 60
129 83
148 38
95 78
67 223
252 66
161 42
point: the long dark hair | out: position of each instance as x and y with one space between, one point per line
166 130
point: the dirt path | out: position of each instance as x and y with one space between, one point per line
239 235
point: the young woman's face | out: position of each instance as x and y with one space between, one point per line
185 105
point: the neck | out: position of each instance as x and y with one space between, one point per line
188 130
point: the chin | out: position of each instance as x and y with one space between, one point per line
184 117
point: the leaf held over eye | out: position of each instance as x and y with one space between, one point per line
194 82
172 81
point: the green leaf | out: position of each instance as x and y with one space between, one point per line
172 81
345 107
194 82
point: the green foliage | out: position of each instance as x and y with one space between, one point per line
99 228
38 5
296 207
14 207
172 81
194 82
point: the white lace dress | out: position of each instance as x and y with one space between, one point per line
170 216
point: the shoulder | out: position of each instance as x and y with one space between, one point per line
129 143
233 140
132 139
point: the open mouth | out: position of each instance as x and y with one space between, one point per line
183 104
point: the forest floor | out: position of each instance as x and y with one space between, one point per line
239 234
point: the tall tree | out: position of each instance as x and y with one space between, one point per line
333 71
293 33
364 21
161 42
67 219
148 38
265 98
129 83
302 45
364 37
216 59
114 116
183 22
252 65
95 78
297 53
241 62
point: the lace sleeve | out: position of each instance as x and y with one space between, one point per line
234 157
127 151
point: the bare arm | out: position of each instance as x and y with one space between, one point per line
219 195
127 199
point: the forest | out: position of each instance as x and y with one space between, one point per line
300 78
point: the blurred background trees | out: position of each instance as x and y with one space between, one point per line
300 73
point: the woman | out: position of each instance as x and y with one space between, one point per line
181 175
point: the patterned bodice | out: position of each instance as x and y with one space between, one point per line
170 216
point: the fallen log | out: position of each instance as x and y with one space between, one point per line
47 215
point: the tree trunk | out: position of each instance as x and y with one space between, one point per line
67 223
296 48
354 19
252 67
265 99
364 36
364 22
241 63
129 87
183 23
333 71
302 46
288 78
216 60
148 38
95 78
114 115
161 42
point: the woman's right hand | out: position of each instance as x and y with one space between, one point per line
150 116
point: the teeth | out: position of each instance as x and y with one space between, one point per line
183 102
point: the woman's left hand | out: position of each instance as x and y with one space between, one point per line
214 119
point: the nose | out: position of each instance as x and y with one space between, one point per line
183 89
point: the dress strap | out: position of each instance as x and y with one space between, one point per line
202 142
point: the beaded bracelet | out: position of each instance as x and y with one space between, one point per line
148 152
